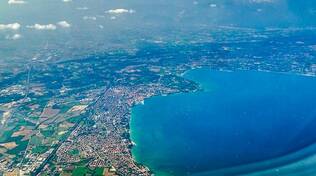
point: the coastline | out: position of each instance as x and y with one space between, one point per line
151 172
143 101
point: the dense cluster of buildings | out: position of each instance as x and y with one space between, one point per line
107 141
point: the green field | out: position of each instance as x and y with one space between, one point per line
82 171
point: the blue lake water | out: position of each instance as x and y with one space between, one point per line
241 118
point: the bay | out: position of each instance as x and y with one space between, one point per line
241 118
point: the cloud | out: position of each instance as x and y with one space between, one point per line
64 24
82 8
261 1
67 0
16 2
13 26
13 37
120 11
89 18
43 27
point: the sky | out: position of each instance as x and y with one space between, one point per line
65 27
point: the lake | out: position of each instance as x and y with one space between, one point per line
242 122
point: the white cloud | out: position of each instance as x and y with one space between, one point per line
67 0
43 27
13 37
16 2
13 26
64 24
89 18
120 11
261 1
82 8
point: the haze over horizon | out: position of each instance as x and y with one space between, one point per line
65 26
